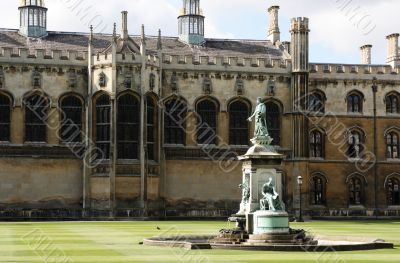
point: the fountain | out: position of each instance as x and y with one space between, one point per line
262 222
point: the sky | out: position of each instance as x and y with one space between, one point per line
338 27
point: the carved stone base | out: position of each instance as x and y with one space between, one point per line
270 222
262 140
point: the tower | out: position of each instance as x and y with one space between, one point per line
393 56
191 23
33 18
300 75
274 34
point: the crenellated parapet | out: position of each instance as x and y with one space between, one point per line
216 63
353 71
43 57
104 59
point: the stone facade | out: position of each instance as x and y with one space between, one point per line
148 166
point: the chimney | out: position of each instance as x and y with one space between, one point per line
124 33
366 54
393 57
286 45
273 31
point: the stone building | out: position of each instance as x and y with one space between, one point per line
97 125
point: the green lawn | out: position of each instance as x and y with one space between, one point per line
119 242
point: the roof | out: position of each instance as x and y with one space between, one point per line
64 41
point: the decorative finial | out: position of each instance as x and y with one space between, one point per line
115 31
91 34
159 42
142 36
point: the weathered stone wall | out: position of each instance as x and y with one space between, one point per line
201 185
40 183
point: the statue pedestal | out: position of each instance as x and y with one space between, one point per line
260 163
270 222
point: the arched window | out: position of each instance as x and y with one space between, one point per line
392 103
71 119
5 118
128 119
36 111
103 121
393 144
393 191
316 102
174 121
355 102
238 124
356 191
206 122
355 144
318 190
316 144
274 122
151 115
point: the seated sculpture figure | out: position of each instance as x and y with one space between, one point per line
270 200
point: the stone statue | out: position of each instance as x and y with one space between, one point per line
270 200
261 135
245 196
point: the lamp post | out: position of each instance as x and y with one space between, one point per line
300 183
375 125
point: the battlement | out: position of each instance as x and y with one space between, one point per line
300 24
320 68
43 56
226 62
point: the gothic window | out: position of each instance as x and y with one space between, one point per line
318 190
152 81
392 144
316 103
151 130
206 122
36 79
274 122
355 102
71 125
316 144
356 191
207 87
5 118
355 144
128 119
392 104
1 78
36 111
174 122
102 80
393 191
103 121
238 124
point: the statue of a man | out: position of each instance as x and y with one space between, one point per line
270 200
260 115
